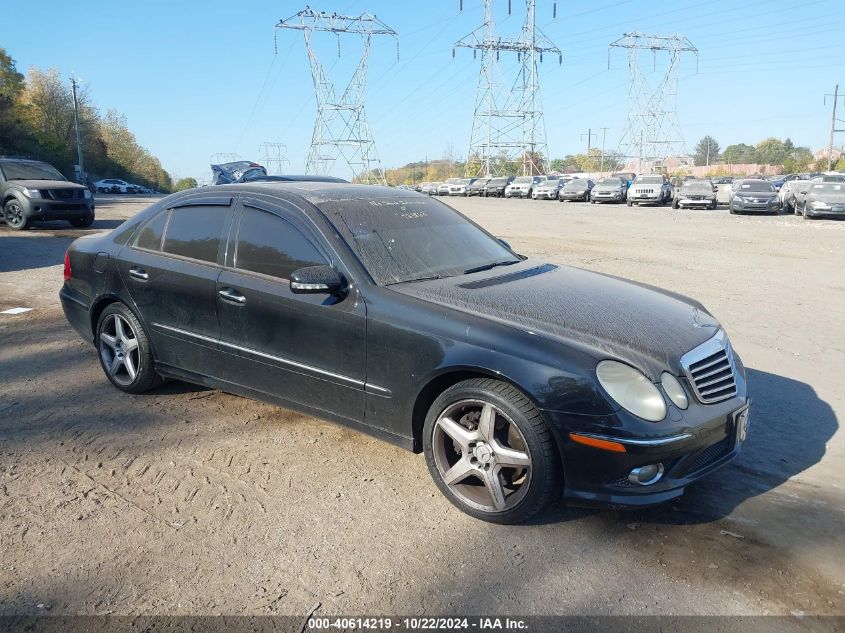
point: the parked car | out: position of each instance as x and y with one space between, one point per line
650 189
444 187
754 195
789 192
609 189
430 188
460 187
577 189
391 313
114 185
547 190
477 187
824 199
496 187
522 186
627 176
695 194
32 190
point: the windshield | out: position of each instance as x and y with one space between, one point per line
614 182
579 183
649 180
408 239
464 181
697 186
827 187
523 179
499 181
14 170
756 185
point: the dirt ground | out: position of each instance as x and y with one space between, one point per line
190 501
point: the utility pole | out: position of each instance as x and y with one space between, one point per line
603 139
73 83
589 134
833 130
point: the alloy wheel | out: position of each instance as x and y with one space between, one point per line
119 349
481 455
14 215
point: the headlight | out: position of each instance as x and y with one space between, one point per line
818 204
88 194
631 390
32 193
674 390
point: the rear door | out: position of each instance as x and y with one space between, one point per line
306 349
170 269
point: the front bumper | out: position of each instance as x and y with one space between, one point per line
696 202
516 193
772 206
574 196
600 196
599 478
644 198
545 195
46 209
833 211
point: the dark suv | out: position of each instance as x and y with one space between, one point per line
32 190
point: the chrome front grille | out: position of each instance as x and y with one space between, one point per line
710 369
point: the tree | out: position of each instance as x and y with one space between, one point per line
772 151
13 134
707 151
739 153
185 183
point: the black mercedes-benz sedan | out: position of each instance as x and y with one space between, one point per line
386 310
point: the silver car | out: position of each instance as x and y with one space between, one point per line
522 187
650 189
610 189
460 187
695 193
548 190
444 187
824 199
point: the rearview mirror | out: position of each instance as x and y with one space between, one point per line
316 280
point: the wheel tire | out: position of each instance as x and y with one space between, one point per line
15 219
630 203
512 410
83 223
140 356
733 211
675 204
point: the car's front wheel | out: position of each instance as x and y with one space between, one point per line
15 217
125 351
490 451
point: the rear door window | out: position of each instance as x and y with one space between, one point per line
195 232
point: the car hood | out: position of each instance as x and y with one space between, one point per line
47 184
831 198
756 194
607 187
604 315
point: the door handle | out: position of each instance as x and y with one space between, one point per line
233 296
138 273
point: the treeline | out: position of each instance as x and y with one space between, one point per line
769 151
36 120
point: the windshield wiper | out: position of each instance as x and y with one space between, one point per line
410 281
478 269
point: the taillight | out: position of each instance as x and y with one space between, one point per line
68 271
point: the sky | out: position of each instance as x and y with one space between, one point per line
196 79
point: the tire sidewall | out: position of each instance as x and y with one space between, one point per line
542 470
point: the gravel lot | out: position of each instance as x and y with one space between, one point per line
193 501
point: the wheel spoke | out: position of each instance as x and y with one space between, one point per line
130 366
130 344
457 473
116 364
511 457
494 487
118 328
108 339
487 422
457 432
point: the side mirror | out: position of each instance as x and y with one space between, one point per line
506 244
316 280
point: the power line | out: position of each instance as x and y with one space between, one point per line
341 129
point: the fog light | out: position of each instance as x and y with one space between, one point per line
646 475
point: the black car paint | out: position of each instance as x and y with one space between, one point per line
376 358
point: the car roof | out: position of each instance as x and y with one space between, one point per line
315 192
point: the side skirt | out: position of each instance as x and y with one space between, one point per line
213 383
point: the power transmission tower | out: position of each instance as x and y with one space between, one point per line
274 156
833 122
508 123
652 131
341 129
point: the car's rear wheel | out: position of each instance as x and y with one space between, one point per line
14 215
124 350
490 452
83 223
